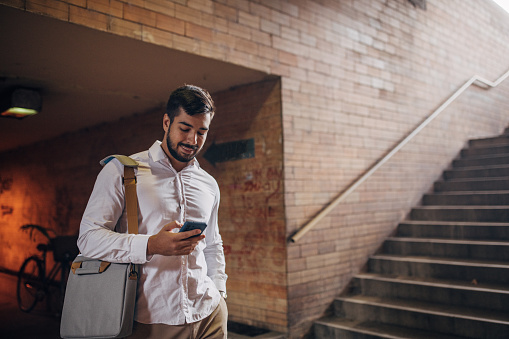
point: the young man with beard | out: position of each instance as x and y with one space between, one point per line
182 283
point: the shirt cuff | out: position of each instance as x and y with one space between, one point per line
220 284
139 249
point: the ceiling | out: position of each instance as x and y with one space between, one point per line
87 77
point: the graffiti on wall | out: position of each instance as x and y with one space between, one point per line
253 192
258 180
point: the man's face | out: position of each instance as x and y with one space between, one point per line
184 138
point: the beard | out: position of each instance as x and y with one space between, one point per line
181 158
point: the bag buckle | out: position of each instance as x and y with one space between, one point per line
133 275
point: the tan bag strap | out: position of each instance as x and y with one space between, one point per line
75 266
131 198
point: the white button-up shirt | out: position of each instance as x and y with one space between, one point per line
172 290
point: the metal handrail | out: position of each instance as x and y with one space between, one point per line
476 80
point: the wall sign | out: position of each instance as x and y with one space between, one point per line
229 151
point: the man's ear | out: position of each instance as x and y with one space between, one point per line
166 123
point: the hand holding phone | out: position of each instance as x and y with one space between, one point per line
193 225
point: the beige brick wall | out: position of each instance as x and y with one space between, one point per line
387 67
357 76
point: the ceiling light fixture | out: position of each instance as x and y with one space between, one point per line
22 103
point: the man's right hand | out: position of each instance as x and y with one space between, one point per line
168 243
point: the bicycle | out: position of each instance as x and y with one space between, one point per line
34 284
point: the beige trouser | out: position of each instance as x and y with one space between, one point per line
214 327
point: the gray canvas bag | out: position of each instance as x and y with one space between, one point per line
100 296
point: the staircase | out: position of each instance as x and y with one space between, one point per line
445 274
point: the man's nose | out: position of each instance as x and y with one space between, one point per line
192 138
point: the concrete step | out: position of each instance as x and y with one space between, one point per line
489 272
445 274
447 248
477 172
339 328
473 184
456 198
485 150
489 160
454 230
481 296
487 142
445 319
461 213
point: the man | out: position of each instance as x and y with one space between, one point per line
182 283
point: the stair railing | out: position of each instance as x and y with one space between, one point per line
475 80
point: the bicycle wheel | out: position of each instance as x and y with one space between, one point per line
30 283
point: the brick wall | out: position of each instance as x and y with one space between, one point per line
251 212
357 76
49 184
385 68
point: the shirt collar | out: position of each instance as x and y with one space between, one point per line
157 154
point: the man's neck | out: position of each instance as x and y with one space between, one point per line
177 165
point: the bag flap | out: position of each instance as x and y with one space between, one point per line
83 265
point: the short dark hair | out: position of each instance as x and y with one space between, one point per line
192 99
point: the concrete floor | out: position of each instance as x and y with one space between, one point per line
38 324
43 324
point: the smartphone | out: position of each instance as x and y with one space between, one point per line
193 225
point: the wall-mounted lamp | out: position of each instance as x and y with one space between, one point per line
21 103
